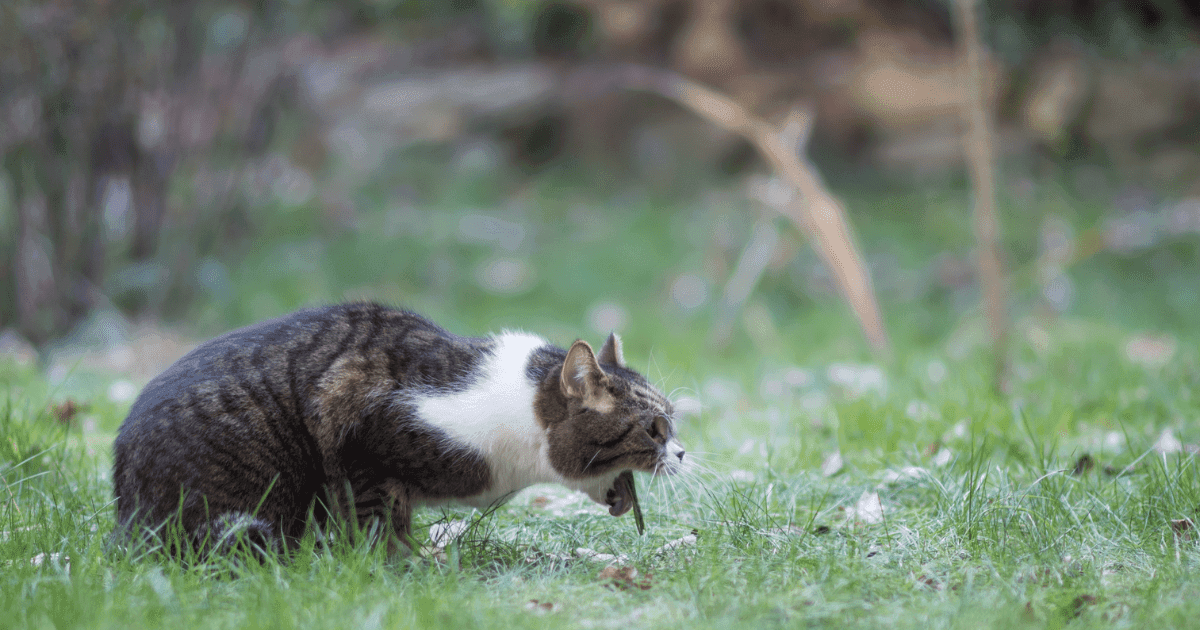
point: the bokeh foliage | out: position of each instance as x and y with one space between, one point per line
137 138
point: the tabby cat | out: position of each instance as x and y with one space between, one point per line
366 412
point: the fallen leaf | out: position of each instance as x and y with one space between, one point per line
441 534
857 380
868 509
1149 351
541 607
832 464
1184 528
1083 465
820 530
929 582
920 411
744 476
1081 602
596 556
907 473
55 558
540 501
688 540
65 411
1167 443
624 577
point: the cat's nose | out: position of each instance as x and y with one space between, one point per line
680 455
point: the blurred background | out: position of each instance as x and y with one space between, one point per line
171 170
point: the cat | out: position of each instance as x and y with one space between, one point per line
361 411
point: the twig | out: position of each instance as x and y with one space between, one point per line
816 212
980 156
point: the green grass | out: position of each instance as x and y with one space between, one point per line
984 521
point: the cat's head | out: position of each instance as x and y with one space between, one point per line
602 419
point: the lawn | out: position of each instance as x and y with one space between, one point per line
830 489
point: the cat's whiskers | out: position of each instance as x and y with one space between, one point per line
653 368
685 389
592 460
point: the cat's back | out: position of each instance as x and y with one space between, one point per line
286 355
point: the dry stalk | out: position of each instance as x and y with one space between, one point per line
980 154
816 211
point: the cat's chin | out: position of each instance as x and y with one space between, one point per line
607 492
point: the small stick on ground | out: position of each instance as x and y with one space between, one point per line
980 154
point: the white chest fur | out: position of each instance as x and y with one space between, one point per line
495 417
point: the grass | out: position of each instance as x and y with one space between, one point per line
953 507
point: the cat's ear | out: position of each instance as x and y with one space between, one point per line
583 379
610 352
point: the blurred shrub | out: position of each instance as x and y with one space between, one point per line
142 141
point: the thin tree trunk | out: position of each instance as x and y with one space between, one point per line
980 156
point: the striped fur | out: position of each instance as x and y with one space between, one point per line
368 411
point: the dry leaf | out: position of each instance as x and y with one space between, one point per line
596 556
1167 443
65 411
1082 602
55 558
541 607
925 580
1184 528
688 540
441 534
908 473
832 464
1150 352
868 509
1084 465
625 577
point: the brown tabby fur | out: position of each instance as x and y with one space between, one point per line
302 419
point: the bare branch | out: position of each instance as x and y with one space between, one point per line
978 146
817 212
